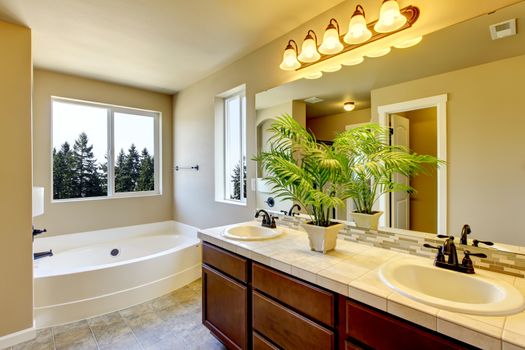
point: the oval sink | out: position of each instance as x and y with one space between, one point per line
246 232
451 290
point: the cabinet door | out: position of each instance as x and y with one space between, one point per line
225 308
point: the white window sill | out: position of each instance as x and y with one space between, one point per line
225 201
115 196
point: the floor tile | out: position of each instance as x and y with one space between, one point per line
74 336
43 341
111 332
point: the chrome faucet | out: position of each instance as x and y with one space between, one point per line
452 263
267 220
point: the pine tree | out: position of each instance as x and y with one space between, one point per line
63 173
236 180
133 166
146 180
122 178
87 178
103 172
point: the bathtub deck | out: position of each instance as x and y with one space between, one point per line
172 321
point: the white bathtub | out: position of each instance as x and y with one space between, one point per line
83 279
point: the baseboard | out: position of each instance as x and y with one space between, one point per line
18 337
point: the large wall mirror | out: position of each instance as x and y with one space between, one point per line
457 95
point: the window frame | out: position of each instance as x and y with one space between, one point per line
221 135
111 110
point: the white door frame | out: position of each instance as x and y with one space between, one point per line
440 102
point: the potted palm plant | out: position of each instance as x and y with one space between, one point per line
306 172
370 164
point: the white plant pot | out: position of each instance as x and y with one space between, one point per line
322 239
369 221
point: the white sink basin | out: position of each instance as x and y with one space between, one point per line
248 232
451 290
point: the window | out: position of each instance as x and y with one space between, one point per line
103 151
230 183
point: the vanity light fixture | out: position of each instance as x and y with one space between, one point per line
309 51
349 106
391 20
331 43
358 31
390 17
290 61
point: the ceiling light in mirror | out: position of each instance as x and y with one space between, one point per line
314 75
353 61
331 43
390 18
309 51
332 68
290 61
408 43
379 52
349 106
358 31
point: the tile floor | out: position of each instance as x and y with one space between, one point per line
172 322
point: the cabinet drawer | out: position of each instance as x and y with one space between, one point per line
309 300
225 308
286 328
259 343
229 263
381 331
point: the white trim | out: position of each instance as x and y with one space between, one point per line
18 337
440 102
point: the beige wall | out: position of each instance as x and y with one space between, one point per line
486 159
86 215
16 264
423 140
325 128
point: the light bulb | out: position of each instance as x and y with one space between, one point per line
390 18
358 31
349 106
309 49
290 61
331 43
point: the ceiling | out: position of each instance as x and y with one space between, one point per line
162 45
458 46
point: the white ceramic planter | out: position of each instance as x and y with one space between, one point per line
369 221
322 239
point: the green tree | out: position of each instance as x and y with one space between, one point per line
63 173
86 176
122 178
133 166
236 180
146 180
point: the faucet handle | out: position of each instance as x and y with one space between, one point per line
476 243
466 263
440 256
272 223
446 236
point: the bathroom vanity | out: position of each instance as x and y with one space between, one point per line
276 294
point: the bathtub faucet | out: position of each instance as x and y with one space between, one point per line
40 255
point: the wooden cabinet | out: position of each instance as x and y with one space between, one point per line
248 305
225 301
378 330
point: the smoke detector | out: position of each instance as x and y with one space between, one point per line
503 29
313 100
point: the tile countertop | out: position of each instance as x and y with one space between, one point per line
352 270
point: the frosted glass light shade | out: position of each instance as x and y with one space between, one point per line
390 18
331 43
358 31
290 61
349 106
309 51
38 201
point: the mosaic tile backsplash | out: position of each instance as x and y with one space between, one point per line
497 261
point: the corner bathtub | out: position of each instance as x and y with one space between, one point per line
92 273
